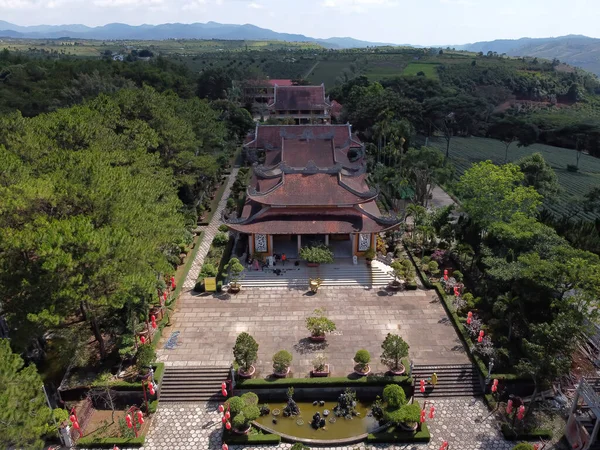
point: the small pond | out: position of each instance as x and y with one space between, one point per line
300 425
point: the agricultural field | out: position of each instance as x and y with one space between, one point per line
466 151
429 69
327 71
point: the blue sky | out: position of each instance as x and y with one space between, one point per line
425 22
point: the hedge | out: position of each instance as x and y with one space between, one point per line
152 406
394 434
458 324
260 383
251 439
532 435
159 371
111 442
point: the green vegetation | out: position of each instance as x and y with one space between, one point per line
426 70
245 351
396 434
394 350
281 361
318 324
317 254
371 380
111 442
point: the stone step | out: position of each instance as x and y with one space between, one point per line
193 383
454 380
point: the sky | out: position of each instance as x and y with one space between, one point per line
419 22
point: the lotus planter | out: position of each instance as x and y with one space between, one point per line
395 285
241 432
249 374
319 373
282 374
362 372
234 289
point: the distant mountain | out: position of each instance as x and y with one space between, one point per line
210 30
576 50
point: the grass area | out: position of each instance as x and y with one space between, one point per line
327 71
464 152
429 69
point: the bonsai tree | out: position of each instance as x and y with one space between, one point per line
317 254
362 359
402 270
406 414
245 351
235 269
144 357
394 349
281 361
243 410
370 253
394 396
319 363
318 324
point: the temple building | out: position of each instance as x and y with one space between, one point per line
304 104
309 185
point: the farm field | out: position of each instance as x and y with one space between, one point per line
430 70
466 151
327 71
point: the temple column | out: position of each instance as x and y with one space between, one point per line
271 248
326 239
251 244
299 244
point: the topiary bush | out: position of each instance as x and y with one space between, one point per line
281 361
362 358
250 398
220 239
235 405
407 414
144 357
394 396
223 228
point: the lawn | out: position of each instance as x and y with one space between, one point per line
466 151
430 70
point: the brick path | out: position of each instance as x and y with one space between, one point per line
209 233
197 426
209 325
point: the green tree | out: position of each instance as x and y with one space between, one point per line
23 411
426 168
538 174
512 129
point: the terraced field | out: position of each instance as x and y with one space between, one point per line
327 71
466 151
430 70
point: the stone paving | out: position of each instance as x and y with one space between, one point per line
209 324
209 233
188 426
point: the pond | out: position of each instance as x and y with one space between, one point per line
300 425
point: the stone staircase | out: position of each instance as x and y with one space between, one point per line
455 380
192 384
341 273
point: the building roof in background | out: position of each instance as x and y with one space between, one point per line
268 137
300 98
280 82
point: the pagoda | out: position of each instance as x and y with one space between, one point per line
309 186
304 104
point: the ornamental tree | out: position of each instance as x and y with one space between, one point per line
245 351
394 349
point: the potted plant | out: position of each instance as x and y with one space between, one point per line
315 255
318 324
243 411
370 255
144 357
245 353
321 369
281 363
235 269
362 359
401 271
394 349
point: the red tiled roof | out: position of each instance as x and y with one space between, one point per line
310 221
358 183
320 189
336 108
299 98
270 135
296 153
280 82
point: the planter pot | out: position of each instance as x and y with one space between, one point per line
400 370
324 373
361 372
281 374
409 426
248 374
309 264
369 262
235 289
395 285
317 338
142 333
241 432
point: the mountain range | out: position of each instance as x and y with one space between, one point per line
576 50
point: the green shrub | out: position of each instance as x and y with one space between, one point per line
220 239
282 360
245 351
199 286
251 439
405 414
411 286
318 254
239 421
96 442
370 253
144 356
250 398
523 446
362 358
235 269
208 270
373 380
230 203
394 349
458 275
318 324
223 228
235 404
394 396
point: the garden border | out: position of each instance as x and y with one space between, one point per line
261 383
423 435
111 442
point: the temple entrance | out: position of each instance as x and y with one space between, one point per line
286 243
341 245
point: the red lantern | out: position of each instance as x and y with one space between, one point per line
422 386
223 419
153 318
172 282
481 333
142 339
151 389
536 447
224 392
432 412
444 445
445 271
221 408
76 425
223 385
128 420
469 314
227 415
165 296
521 412
115 448
228 426
140 417
469 319
480 339
72 418
494 387
509 407
456 292
422 416
224 447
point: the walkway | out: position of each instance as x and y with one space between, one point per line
198 426
209 233
209 324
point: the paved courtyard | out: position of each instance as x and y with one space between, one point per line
197 426
209 324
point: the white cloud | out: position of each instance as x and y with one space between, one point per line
17 4
460 2
255 5
357 6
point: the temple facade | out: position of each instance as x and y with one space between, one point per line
309 186
304 104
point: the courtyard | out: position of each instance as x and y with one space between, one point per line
209 324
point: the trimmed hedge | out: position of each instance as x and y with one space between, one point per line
394 434
152 406
111 442
260 383
251 439
533 435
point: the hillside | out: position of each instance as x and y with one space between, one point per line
209 30
580 51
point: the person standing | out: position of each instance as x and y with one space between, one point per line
283 258
434 379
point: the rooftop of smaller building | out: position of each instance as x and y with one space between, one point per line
299 98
